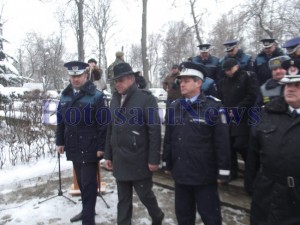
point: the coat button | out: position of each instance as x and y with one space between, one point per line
80 136
179 139
82 152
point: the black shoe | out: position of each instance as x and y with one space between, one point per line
78 217
160 221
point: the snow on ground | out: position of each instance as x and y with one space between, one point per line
24 187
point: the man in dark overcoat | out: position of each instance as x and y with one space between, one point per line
238 92
81 133
133 144
273 168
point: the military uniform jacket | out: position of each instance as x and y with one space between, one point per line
134 135
239 91
81 123
196 143
261 65
211 65
274 153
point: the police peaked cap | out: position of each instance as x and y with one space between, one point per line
230 44
192 69
292 45
292 67
204 47
267 42
76 68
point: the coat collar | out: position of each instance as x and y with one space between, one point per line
88 88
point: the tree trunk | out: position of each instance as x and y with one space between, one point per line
144 43
80 44
192 4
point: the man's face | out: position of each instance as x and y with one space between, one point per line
231 71
278 73
204 55
189 87
292 94
233 51
78 80
92 64
174 70
269 51
123 83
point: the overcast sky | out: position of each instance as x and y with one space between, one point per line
35 16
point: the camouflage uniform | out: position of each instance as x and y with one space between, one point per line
110 69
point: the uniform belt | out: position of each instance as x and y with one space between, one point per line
289 181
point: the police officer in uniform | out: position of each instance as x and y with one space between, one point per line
293 47
272 88
261 63
209 61
81 133
273 168
196 149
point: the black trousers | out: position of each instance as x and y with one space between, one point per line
238 144
205 199
143 189
86 174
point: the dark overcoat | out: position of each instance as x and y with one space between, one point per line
273 168
134 135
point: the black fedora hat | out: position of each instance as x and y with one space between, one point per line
122 69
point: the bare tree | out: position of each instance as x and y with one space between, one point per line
100 19
134 56
144 42
80 31
42 59
178 44
154 49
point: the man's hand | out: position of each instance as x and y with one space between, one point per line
100 154
168 172
108 165
60 149
152 167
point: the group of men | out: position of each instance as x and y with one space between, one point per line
203 135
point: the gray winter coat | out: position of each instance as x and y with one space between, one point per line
134 135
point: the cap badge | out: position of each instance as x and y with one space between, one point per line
74 67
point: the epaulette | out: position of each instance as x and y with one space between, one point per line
213 98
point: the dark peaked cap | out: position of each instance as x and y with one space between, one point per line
230 44
292 45
204 47
267 42
76 68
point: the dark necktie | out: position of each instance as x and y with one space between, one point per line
294 113
76 93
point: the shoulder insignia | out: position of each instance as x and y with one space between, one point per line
213 98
